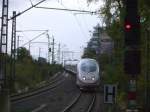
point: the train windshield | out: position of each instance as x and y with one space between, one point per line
89 66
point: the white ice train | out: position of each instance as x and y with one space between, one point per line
88 75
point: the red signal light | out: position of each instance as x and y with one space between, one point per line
128 26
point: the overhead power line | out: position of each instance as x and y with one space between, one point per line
31 2
40 42
72 10
20 13
30 30
34 38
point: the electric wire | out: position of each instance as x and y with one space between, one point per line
80 26
34 38
31 2
65 9
20 13
30 30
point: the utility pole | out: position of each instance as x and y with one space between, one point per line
58 53
17 46
13 53
62 57
4 90
29 46
72 55
18 40
53 51
39 52
49 48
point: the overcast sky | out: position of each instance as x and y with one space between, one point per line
68 28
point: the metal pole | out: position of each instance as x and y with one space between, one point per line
49 48
17 46
39 52
29 46
59 53
72 55
3 44
62 58
53 51
4 90
13 53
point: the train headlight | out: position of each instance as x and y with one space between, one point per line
84 78
93 78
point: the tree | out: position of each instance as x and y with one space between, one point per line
23 53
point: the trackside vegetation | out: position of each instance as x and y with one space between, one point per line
30 72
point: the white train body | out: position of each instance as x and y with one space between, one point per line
88 73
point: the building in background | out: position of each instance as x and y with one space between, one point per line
100 41
106 44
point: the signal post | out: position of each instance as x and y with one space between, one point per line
132 54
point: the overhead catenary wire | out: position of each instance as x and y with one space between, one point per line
34 38
22 31
80 26
31 2
65 9
82 16
77 11
78 23
30 30
25 35
20 13
40 42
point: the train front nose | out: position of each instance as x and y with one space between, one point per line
89 78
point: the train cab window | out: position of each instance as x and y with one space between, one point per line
88 67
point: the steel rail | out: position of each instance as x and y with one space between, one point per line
91 104
75 101
40 90
72 103
18 98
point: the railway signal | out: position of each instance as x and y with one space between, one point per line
132 55
132 24
132 33
132 39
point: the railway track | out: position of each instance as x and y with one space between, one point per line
53 83
47 99
51 100
84 102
